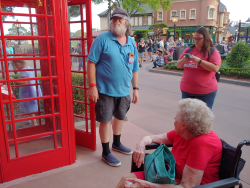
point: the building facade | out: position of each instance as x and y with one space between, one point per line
211 14
139 21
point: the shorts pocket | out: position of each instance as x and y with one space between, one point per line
100 107
128 101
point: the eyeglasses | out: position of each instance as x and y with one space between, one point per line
118 18
198 38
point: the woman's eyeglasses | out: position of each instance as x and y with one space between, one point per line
198 38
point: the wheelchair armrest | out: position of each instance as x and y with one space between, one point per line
152 146
229 182
155 145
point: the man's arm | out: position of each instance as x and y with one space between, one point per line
135 93
91 71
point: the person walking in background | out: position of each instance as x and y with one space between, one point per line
9 51
155 46
162 43
29 91
177 42
149 49
198 79
183 44
80 59
112 61
171 46
141 50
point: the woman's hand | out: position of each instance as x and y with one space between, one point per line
194 59
139 183
139 154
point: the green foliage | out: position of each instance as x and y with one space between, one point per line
134 6
7 9
74 11
178 31
172 65
235 72
239 55
78 94
158 27
138 34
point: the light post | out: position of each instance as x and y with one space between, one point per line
236 31
248 21
175 19
239 31
18 26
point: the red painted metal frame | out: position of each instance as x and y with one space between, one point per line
84 138
34 163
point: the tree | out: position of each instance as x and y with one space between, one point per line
74 11
6 9
158 28
76 34
138 34
22 31
134 6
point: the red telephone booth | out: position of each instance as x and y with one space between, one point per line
44 108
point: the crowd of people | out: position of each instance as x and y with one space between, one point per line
157 51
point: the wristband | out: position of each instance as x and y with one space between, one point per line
92 85
200 62
135 88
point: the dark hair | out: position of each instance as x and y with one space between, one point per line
207 38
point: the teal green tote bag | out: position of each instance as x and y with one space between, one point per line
159 167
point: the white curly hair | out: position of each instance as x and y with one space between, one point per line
196 115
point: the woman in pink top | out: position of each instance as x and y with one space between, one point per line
198 79
196 148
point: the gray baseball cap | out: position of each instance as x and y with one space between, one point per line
119 12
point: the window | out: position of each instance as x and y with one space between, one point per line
226 19
132 21
183 15
172 12
212 13
160 15
145 20
192 14
136 21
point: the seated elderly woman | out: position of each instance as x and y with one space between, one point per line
196 148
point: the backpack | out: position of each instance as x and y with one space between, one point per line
217 74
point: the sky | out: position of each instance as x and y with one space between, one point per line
239 10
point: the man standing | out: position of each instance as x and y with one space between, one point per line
162 43
112 62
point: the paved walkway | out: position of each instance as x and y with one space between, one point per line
154 114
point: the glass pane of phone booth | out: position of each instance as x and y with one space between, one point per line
83 109
78 46
28 78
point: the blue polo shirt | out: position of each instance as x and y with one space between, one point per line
113 70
